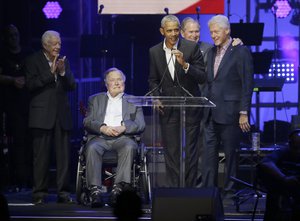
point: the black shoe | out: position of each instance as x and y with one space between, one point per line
65 199
38 201
116 191
96 200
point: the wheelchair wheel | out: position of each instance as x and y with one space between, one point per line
79 183
144 182
85 199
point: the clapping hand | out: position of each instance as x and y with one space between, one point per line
58 66
61 66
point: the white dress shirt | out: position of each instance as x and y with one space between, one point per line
113 116
171 61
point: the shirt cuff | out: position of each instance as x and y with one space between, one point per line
244 112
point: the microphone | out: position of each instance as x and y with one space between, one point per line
275 8
177 79
101 7
162 78
166 10
198 12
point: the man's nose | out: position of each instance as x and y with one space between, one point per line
174 32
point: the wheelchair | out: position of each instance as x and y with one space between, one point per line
140 174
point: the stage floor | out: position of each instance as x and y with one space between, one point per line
21 208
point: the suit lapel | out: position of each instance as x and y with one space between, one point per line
224 59
124 107
212 58
102 108
178 67
164 63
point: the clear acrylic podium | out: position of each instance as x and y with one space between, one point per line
181 103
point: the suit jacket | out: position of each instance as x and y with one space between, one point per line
190 81
205 47
133 117
231 89
49 98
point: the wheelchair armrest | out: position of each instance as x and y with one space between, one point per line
82 144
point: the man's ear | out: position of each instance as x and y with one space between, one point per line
162 31
44 45
227 31
182 33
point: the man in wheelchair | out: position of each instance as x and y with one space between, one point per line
111 122
279 174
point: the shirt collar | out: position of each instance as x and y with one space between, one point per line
119 96
166 48
224 47
48 59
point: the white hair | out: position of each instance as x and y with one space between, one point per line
106 73
221 20
169 18
48 35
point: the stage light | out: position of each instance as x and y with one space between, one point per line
281 8
52 10
282 69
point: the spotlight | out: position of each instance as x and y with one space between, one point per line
281 8
52 10
280 71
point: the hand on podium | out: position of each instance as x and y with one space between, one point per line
158 106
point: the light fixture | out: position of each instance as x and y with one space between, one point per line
282 69
52 10
281 8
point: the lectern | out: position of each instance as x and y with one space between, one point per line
179 102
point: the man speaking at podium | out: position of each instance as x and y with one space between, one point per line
176 69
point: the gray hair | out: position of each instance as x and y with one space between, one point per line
221 20
106 73
169 18
48 35
188 20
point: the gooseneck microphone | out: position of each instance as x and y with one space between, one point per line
162 78
166 10
101 7
177 79
198 12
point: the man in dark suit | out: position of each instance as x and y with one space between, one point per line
176 69
49 78
229 86
111 123
190 30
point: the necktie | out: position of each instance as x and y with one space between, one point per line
217 61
